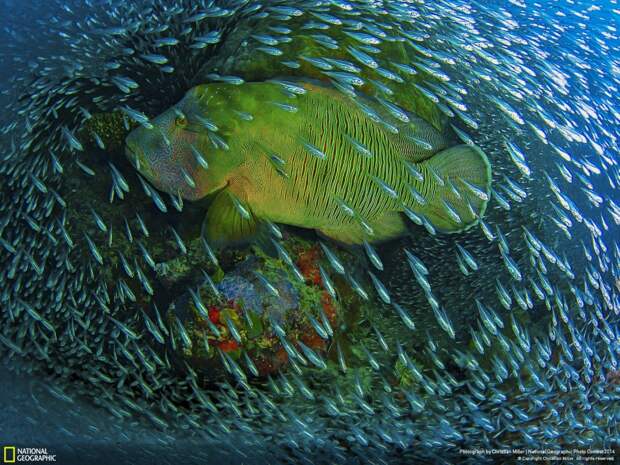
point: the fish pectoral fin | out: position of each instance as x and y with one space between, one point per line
388 226
229 222
464 168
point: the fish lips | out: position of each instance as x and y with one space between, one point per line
137 158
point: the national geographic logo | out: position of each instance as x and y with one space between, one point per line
12 454
8 454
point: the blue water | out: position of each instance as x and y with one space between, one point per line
580 42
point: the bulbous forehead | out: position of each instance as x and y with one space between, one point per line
195 98
198 92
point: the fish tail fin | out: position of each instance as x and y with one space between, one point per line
457 185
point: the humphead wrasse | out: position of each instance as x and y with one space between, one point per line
318 159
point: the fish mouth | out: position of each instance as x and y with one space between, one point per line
130 152
135 157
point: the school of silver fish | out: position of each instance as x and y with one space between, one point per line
512 339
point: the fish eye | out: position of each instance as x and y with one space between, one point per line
181 120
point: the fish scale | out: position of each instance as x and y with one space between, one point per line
344 158
340 159
309 173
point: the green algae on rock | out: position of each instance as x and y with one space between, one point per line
107 130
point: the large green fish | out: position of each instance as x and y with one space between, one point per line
311 157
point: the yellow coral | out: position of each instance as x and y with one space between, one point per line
109 127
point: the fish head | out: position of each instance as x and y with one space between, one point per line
164 150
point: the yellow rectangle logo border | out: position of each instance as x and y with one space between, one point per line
5 454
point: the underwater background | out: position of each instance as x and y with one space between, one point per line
127 337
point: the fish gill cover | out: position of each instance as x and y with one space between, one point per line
410 248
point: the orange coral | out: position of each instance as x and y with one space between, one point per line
228 345
214 314
281 357
328 306
313 340
307 262
267 364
